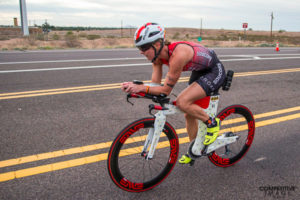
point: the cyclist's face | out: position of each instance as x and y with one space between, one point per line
149 53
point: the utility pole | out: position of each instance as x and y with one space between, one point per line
24 22
272 17
200 33
121 28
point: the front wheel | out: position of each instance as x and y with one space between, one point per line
237 120
128 165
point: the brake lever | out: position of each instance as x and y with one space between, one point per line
128 96
151 107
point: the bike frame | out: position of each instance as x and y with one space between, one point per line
210 106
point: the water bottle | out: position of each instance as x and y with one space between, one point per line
228 80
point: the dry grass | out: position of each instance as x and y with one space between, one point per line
97 39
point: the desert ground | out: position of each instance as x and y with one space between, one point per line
123 38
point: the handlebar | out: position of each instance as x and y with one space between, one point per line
161 99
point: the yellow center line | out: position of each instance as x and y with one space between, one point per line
103 145
59 89
61 92
267 72
35 93
100 157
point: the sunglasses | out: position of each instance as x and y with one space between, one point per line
145 47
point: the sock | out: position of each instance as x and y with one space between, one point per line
211 122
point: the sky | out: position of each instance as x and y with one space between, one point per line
215 14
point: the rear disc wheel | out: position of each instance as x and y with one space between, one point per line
237 120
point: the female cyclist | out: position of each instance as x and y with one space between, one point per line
207 76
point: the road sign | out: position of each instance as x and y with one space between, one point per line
245 25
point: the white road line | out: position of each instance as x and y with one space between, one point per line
255 56
130 65
72 51
260 48
259 58
64 61
70 68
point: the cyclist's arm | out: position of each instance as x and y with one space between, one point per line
156 73
180 57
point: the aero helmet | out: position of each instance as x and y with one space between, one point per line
148 33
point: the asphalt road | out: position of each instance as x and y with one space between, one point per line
60 109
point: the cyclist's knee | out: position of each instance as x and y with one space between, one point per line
182 104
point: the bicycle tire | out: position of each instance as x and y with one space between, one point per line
236 120
125 150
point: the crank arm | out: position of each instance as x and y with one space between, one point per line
221 142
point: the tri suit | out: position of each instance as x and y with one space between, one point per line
206 68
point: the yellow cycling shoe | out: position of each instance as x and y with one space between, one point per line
212 132
186 159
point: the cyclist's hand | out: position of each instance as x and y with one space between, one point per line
130 87
124 86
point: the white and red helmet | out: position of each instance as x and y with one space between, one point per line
148 33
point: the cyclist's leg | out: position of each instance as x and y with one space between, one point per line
185 101
211 82
191 126
205 84
192 129
195 75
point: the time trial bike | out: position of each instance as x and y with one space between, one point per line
144 153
